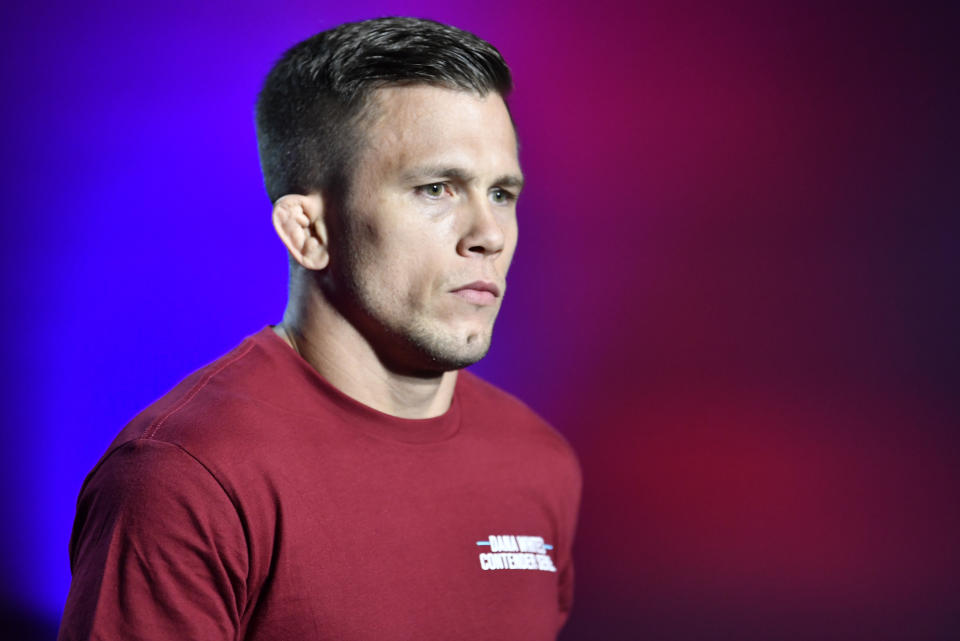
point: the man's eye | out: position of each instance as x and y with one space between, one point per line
433 190
501 196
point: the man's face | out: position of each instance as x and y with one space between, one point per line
429 226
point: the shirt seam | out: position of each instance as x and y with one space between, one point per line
152 430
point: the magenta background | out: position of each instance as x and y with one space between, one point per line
735 292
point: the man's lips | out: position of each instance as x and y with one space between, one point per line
479 292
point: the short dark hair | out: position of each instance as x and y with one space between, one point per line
315 95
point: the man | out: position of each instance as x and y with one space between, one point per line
336 476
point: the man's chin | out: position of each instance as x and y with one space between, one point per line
453 353
452 359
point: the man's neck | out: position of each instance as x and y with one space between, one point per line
334 347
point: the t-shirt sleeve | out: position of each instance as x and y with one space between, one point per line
569 516
157 552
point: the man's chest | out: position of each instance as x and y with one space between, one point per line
400 548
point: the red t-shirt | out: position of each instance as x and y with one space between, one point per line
255 501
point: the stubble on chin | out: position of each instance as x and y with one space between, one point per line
405 332
447 351
414 341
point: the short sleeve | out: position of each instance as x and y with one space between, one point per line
569 517
157 551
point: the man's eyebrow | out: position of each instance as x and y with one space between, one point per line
461 175
510 180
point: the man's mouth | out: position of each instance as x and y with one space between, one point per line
479 292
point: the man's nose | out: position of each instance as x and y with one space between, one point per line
483 232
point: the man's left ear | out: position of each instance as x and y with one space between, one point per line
299 222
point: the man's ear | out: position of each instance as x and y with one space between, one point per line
299 222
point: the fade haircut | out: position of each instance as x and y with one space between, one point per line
314 99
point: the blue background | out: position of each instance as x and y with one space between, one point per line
735 291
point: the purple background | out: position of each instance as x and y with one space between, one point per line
735 291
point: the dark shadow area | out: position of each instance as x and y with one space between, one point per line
18 625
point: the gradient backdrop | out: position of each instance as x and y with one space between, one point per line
735 292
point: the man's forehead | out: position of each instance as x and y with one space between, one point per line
436 126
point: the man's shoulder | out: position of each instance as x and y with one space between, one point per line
214 423
484 398
230 401
218 384
510 419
